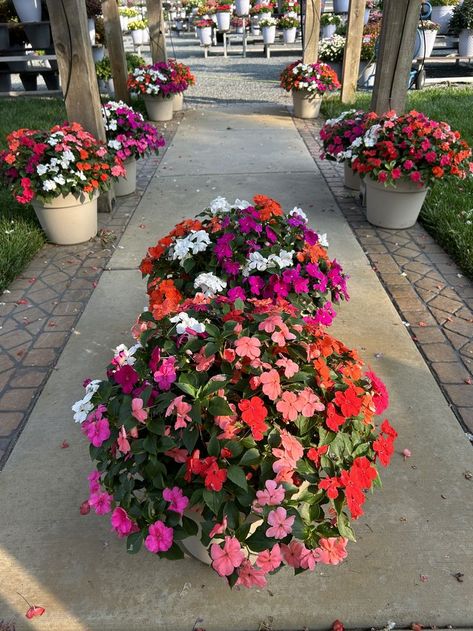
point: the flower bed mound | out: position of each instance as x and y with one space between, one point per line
253 417
245 250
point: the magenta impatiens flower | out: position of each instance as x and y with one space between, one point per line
126 377
101 502
160 537
165 375
122 523
281 524
178 501
96 431
226 559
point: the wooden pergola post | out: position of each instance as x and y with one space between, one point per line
156 30
351 57
311 28
394 61
116 50
68 20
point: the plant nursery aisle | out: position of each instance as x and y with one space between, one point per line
416 533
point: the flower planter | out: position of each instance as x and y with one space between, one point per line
264 14
351 179
240 30
426 43
4 37
126 185
269 34
123 22
393 208
328 30
179 25
367 16
106 86
289 35
146 37
305 104
465 43
223 20
341 6
255 29
5 82
91 27
39 34
442 16
367 75
28 10
98 53
205 36
68 219
178 102
242 7
159 108
137 37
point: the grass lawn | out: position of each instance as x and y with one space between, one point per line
448 211
20 234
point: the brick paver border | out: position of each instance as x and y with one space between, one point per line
42 306
432 296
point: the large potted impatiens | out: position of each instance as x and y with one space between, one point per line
183 79
308 84
204 28
224 14
157 84
268 27
399 157
289 24
237 432
246 250
61 173
129 137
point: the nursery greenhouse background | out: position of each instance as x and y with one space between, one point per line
236 315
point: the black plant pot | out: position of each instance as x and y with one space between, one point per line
29 81
39 34
4 37
5 82
51 80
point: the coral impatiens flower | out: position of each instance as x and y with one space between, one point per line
290 367
271 384
281 524
287 405
308 403
137 410
332 550
254 413
122 440
270 560
178 501
248 347
250 576
225 559
181 409
160 537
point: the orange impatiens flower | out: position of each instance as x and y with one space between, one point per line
164 299
267 207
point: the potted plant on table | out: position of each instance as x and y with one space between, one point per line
426 34
61 173
238 23
204 28
399 157
329 23
93 9
289 24
103 70
331 51
126 14
130 138
367 70
442 11
138 29
461 24
308 83
237 433
224 14
183 80
268 28
157 84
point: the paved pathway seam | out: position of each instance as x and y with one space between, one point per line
433 297
39 311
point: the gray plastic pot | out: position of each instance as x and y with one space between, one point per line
350 179
396 207
305 104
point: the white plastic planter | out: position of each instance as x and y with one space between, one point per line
442 16
242 7
205 36
255 29
305 104
366 75
137 36
341 6
159 108
178 102
98 53
28 10
367 16
264 14
269 34
123 22
393 208
351 180
91 27
289 35
223 20
328 30
126 185
465 43
179 25
68 219
427 41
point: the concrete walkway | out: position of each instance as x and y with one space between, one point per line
416 534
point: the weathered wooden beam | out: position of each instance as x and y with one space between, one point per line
351 57
116 50
311 28
157 38
396 48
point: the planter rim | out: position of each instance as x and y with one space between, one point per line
71 199
404 186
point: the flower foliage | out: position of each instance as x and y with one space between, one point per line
413 147
316 78
66 159
288 21
184 77
339 133
245 250
332 49
129 136
256 419
159 78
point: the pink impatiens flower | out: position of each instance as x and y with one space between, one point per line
178 501
137 410
270 560
309 559
281 524
219 529
160 537
308 403
287 405
122 440
331 551
94 481
292 553
122 523
101 502
165 375
226 559
271 384
290 367
182 409
273 495
96 431
250 576
248 347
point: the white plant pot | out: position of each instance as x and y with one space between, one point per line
367 16
205 36
109 87
366 75
126 185
393 208
240 30
465 43
289 35
328 30
91 27
159 108
145 36
341 6
28 10
123 22
442 16
242 7
137 36
269 34
223 20
98 53
305 104
351 179
68 219
255 29
178 102
426 41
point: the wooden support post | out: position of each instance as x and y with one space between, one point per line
393 65
157 39
116 50
68 20
311 28
351 58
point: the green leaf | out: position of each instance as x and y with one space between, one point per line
252 456
213 446
259 541
213 499
248 442
188 264
134 542
211 349
232 514
212 387
190 437
187 388
212 330
156 425
173 553
344 528
237 476
235 447
190 526
219 407
166 443
150 444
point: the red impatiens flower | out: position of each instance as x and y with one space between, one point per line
315 453
348 402
331 485
333 419
215 477
254 413
353 493
384 448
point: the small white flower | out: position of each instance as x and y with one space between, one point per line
371 136
184 322
59 179
323 240
82 409
298 212
199 241
257 261
209 284
124 355
49 185
219 205
241 204
181 249
41 169
284 259
115 144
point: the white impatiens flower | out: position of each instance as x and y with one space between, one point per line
180 249
41 169
284 259
298 212
219 205
199 241
342 116
184 322
257 261
114 144
124 355
49 185
83 407
371 136
241 204
323 240
209 284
